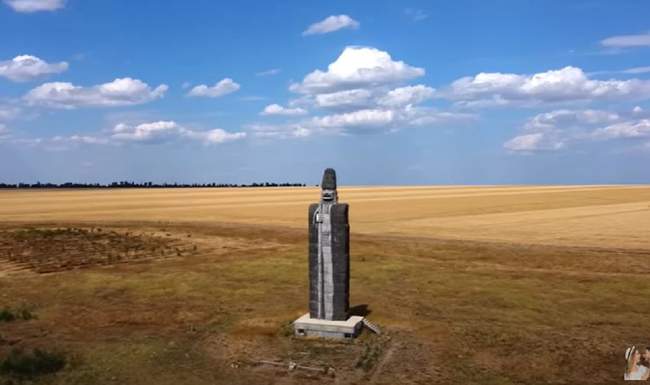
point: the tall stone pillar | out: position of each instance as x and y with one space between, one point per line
329 268
329 254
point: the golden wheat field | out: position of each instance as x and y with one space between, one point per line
608 216
471 285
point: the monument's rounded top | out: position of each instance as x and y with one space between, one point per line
329 179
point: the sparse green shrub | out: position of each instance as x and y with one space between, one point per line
6 315
25 314
38 362
369 357
287 329
22 313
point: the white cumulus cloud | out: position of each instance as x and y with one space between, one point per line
148 133
558 129
27 67
384 119
276 109
80 139
361 118
223 87
119 92
331 24
555 130
403 96
565 118
533 142
625 130
280 131
357 67
29 6
218 135
347 98
168 131
159 131
569 84
362 90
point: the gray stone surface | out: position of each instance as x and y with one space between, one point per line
329 254
329 180
314 327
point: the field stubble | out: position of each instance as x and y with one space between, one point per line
490 285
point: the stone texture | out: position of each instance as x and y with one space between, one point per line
329 254
314 327
329 180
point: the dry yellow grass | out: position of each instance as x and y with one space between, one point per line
481 285
596 216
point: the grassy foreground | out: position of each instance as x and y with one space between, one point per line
453 311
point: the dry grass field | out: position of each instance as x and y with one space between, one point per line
471 285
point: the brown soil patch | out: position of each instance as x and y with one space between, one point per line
47 250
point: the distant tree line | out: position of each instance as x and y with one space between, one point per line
127 184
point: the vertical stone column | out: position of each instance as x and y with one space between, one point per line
329 254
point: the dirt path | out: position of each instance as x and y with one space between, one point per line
380 365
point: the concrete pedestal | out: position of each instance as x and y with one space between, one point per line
312 327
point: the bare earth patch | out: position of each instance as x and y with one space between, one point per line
47 250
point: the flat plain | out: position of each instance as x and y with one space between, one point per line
481 284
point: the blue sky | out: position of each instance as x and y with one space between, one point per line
462 92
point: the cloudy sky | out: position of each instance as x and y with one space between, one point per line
462 92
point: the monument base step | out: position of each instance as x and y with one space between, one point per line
306 326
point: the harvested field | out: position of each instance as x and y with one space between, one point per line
47 250
480 285
600 216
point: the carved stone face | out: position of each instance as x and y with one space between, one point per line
328 195
329 179
328 186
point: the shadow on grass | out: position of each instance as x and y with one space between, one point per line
361 310
28 365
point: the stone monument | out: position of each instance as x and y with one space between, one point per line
329 268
